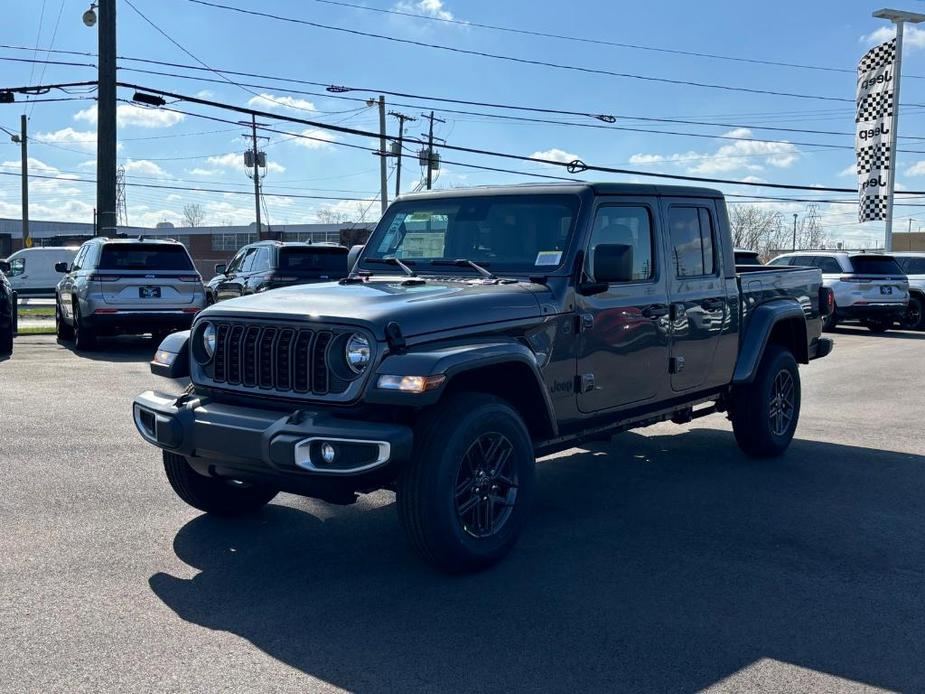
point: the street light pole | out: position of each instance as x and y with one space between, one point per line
794 231
24 145
899 18
106 119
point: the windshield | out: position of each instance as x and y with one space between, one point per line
875 265
513 233
141 256
309 260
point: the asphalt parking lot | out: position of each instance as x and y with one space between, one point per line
665 561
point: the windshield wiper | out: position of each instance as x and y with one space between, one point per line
392 261
465 262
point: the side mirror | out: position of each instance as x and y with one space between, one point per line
352 256
613 262
62 267
220 268
4 267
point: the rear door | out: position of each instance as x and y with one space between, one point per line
66 286
877 279
623 345
145 276
696 289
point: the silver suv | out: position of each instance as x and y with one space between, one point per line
913 264
869 287
127 286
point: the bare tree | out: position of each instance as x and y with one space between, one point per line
331 217
755 227
193 214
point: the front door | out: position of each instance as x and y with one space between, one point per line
232 285
623 345
697 290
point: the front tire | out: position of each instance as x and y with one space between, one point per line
211 494
765 412
6 341
464 498
915 314
63 331
84 337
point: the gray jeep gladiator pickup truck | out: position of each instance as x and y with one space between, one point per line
479 329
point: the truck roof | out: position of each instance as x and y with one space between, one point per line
569 188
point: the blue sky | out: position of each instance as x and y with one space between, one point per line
165 149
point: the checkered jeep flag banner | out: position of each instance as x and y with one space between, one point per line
873 143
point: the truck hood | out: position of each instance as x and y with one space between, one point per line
418 308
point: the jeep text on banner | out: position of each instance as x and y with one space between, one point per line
874 124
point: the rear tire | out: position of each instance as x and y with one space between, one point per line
830 322
915 314
765 412
877 326
6 340
213 495
63 331
464 498
84 337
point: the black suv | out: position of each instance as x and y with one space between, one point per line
480 329
7 311
270 264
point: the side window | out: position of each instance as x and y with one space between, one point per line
235 263
78 259
827 265
780 261
629 226
17 266
915 266
90 257
261 260
691 232
248 261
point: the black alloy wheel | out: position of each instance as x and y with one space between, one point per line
486 485
782 405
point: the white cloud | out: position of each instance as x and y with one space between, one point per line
145 168
429 8
913 37
917 169
849 171
555 154
36 166
740 155
314 139
81 139
132 114
205 94
753 179
203 172
89 164
235 160
270 102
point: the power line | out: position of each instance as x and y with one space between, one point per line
51 44
523 61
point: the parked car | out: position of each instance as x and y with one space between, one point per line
747 257
869 287
481 329
32 270
7 311
126 286
913 264
272 264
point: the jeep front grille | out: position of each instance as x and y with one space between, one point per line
287 360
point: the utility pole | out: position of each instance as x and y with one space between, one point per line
794 231
106 120
24 149
255 156
430 148
401 136
383 174
899 18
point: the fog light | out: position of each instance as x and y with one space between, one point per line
328 453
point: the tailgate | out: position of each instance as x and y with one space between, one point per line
146 290
877 289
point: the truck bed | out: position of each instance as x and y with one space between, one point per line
759 284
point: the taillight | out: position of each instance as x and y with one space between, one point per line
104 278
191 309
826 301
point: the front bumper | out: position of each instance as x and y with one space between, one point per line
260 444
894 310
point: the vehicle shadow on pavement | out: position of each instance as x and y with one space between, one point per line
662 563
895 334
117 349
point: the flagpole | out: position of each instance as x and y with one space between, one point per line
899 18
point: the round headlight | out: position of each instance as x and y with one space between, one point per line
208 340
357 353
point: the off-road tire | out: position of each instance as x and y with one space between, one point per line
63 331
428 492
915 314
84 336
830 322
6 340
211 494
753 405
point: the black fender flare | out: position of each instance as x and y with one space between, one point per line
176 345
758 330
453 362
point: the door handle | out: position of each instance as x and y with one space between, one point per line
655 311
712 304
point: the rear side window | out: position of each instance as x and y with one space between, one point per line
628 226
875 265
138 256
827 265
780 261
312 260
691 231
912 266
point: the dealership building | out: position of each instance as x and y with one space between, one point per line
207 245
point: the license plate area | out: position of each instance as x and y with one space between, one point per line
149 292
886 290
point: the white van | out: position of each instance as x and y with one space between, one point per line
32 270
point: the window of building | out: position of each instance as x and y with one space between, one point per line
231 241
691 232
629 226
